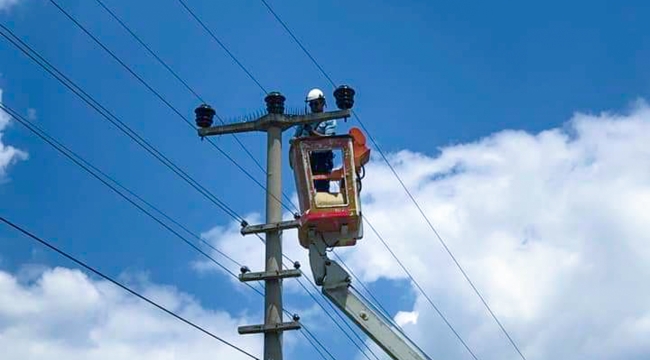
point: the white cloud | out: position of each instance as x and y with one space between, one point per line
404 317
6 4
8 154
62 314
553 228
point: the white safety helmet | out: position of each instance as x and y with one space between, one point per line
314 94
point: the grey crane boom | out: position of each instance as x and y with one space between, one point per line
336 286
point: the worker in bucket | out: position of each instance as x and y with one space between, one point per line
322 162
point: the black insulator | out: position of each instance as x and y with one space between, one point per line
344 97
296 265
275 103
296 317
204 116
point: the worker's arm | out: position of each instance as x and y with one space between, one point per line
325 128
316 133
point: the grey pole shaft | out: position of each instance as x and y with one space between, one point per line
273 294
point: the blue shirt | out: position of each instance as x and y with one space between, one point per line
327 127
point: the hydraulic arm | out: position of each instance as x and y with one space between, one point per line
336 285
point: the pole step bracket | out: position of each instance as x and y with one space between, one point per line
273 328
263 228
269 275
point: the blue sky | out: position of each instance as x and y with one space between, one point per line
427 75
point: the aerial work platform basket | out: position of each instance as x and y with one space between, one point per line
333 214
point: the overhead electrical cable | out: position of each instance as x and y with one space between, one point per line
417 285
114 120
367 290
187 86
158 95
221 44
175 75
122 286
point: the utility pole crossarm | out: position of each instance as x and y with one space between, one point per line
248 126
273 120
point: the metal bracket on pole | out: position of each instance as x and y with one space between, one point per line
269 275
256 229
277 328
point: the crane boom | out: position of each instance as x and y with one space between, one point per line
336 286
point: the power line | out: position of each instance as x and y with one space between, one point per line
187 86
308 338
224 47
408 273
171 71
85 165
270 9
123 287
443 243
307 332
426 218
114 120
397 327
363 286
340 317
157 94
91 101
82 163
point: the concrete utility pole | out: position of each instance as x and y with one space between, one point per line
273 123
